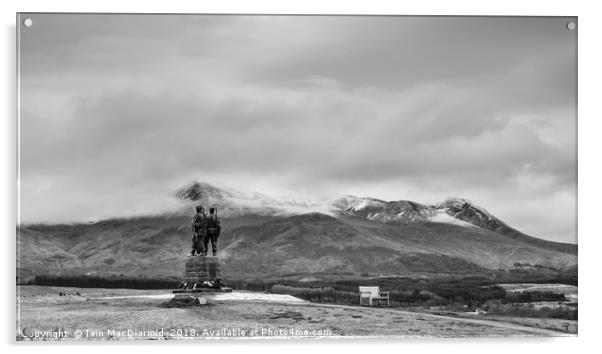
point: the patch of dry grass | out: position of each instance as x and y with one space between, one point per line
42 309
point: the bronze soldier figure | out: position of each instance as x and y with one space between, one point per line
213 229
199 223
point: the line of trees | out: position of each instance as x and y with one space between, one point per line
469 293
320 295
87 281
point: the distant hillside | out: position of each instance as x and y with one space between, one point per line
264 236
453 211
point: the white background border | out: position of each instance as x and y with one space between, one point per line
590 177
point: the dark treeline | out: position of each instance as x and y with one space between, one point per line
519 276
468 292
460 293
528 310
403 291
533 296
123 282
320 295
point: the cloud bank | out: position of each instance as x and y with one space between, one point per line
118 111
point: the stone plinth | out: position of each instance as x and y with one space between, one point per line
202 268
201 291
202 274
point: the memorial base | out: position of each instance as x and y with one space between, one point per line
202 275
201 291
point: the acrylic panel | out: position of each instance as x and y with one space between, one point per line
224 176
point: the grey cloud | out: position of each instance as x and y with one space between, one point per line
183 132
399 52
130 106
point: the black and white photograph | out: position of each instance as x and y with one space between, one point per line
276 176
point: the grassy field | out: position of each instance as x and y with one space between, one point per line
50 313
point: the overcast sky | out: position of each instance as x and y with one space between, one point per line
118 111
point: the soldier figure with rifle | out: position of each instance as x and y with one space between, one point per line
199 225
213 229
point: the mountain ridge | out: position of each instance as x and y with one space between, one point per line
263 235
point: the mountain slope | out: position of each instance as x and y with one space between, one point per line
453 211
263 236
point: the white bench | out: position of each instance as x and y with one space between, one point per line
371 295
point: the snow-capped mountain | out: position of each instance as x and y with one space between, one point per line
452 211
464 210
237 202
284 236
230 201
401 211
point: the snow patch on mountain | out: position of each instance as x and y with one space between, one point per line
231 201
365 203
441 216
452 205
353 203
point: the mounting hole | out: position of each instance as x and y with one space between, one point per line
28 22
571 26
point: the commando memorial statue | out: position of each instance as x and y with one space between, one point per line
198 232
212 231
202 273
